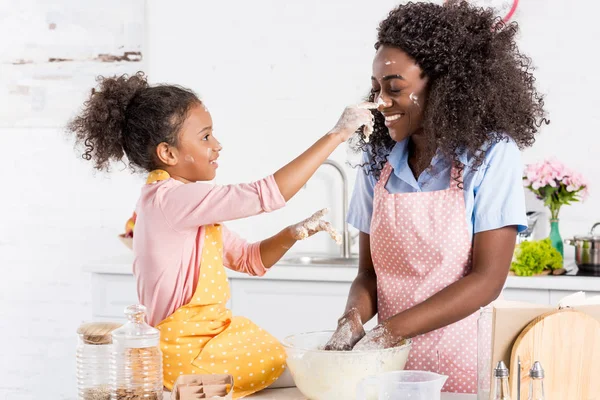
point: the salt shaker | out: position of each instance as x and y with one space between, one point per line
136 360
93 352
536 382
501 391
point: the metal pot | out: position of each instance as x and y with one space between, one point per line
587 250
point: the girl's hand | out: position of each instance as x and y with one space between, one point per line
349 331
314 224
352 119
381 337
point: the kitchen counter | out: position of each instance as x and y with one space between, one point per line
294 291
330 273
294 394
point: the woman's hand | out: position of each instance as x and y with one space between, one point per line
349 331
381 337
352 119
314 224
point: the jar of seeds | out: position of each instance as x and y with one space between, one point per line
93 353
136 360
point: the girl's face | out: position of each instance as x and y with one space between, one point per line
195 157
400 89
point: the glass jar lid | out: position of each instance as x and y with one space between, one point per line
136 333
97 332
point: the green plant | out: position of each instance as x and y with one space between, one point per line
533 257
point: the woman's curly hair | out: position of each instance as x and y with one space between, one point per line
481 88
127 116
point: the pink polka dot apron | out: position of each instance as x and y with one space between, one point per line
420 244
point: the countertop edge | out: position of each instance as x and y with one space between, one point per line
324 273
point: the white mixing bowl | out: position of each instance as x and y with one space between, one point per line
334 375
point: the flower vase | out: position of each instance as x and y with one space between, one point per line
555 238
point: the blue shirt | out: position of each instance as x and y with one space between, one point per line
494 194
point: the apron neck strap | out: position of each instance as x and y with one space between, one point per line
157 175
385 174
456 175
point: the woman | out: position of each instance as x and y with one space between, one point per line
439 199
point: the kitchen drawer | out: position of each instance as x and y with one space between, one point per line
284 308
537 296
111 293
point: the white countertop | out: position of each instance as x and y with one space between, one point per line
121 265
294 394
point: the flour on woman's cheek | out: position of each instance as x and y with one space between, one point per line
414 98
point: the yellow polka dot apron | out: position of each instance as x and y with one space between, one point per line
202 337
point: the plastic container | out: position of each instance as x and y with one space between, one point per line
484 353
93 352
402 385
334 375
136 360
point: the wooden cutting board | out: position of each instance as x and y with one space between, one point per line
567 344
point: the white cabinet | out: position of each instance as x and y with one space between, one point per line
292 299
111 293
284 308
527 295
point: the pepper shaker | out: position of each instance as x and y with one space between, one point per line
536 382
501 391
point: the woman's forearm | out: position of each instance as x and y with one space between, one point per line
363 292
450 305
363 295
492 254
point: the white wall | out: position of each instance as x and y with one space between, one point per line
275 75
561 37
56 213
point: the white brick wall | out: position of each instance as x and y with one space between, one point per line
56 213
305 60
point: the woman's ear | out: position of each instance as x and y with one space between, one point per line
167 154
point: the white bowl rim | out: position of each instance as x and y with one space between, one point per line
285 343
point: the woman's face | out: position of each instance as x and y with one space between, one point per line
400 89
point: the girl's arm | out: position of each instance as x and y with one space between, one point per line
257 258
291 178
191 205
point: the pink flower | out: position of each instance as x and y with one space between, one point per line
552 173
575 182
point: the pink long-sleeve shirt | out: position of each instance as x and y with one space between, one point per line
169 235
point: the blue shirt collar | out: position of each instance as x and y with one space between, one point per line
398 159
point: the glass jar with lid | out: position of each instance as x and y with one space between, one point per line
136 360
93 354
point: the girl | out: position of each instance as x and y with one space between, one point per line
181 244
440 197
